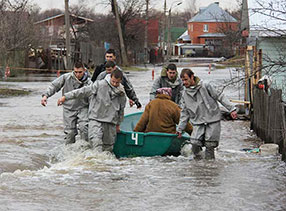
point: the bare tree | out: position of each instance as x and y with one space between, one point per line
132 21
232 37
130 14
271 30
267 31
115 10
190 10
16 29
47 13
103 29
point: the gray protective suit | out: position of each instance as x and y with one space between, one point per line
163 81
200 107
75 112
129 90
106 110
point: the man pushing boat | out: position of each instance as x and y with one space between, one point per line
169 78
200 107
75 112
106 109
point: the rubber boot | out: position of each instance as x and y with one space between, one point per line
209 153
196 150
97 145
108 148
84 136
70 138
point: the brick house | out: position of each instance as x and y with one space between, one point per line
209 25
153 32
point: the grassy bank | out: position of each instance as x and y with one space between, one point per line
132 68
227 66
5 92
236 61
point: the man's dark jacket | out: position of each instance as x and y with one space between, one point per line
99 69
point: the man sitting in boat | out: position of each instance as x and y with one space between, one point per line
161 114
169 78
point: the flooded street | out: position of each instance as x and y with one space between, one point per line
37 172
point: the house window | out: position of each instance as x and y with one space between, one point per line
50 30
206 27
190 27
214 42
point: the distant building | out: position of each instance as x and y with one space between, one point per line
175 33
268 34
153 32
53 28
184 38
136 51
209 25
51 53
184 47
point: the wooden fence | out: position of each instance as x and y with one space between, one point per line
268 118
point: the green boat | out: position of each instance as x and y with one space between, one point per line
132 144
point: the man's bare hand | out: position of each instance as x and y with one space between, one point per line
131 103
61 100
179 134
44 101
233 115
117 128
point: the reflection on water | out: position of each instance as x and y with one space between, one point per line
38 172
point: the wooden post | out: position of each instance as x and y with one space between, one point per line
165 25
67 28
254 59
260 63
246 76
283 150
122 46
248 87
269 121
146 32
257 64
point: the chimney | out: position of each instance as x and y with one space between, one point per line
201 9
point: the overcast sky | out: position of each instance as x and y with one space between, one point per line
158 4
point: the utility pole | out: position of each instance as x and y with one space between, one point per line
68 41
165 25
122 46
169 48
146 32
169 36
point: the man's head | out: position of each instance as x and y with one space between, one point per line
171 72
110 66
116 77
188 77
110 55
79 70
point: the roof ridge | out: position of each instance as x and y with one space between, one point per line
204 15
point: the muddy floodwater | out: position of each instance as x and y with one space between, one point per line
38 172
